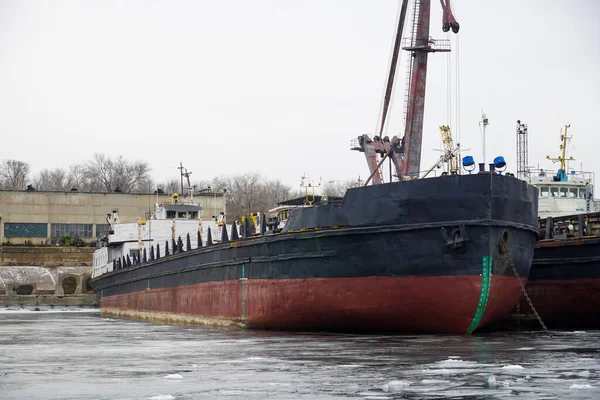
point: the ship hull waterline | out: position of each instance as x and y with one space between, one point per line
368 304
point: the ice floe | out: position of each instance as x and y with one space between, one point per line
580 386
395 386
514 367
173 376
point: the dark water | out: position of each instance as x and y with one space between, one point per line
75 355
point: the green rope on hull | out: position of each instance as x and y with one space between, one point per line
486 281
243 292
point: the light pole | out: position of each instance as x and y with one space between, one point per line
483 123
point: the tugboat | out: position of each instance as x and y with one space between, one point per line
441 255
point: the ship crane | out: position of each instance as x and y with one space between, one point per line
405 152
450 154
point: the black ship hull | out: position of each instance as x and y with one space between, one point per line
418 256
564 284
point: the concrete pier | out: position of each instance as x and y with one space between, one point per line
35 287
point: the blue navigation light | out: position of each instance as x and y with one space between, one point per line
499 162
468 163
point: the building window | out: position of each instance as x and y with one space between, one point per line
102 229
72 230
16 229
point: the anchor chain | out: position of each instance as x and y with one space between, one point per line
512 264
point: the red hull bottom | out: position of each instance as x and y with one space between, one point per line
415 304
565 304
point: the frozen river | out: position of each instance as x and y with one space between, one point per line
82 355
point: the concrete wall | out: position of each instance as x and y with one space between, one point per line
85 208
46 256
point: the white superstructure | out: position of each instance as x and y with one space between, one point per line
574 194
168 223
565 192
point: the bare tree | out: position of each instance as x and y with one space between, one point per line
14 174
118 174
251 193
276 192
337 188
171 186
55 179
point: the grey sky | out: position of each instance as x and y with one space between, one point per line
280 87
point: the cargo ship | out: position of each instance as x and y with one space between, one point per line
417 256
442 254
564 283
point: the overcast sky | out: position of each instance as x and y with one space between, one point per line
280 87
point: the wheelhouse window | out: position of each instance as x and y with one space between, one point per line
171 214
563 192
544 192
554 192
582 193
573 193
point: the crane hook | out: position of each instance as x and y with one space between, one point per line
448 20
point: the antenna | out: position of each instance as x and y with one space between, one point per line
561 174
483 123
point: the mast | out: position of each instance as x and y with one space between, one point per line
419 46
522 150
561 174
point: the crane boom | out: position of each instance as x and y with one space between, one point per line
406 152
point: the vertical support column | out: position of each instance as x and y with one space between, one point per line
580 225
413 136
549 228
1 230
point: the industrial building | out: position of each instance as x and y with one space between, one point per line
44 217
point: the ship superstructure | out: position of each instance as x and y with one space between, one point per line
566 191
